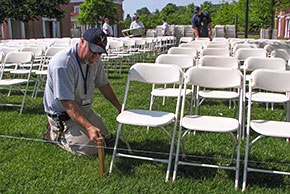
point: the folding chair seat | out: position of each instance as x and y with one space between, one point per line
213 78
150 74
212 45
276 82
24 78
184 62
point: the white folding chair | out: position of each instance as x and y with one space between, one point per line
42 71
151 74
16 58
213 78
217 61
184 62
273 81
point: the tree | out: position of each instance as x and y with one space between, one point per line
127 22
93 12
143 11
27 10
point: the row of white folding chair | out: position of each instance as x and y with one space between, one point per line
200 76
6 80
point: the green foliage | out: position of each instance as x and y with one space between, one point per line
143 11
27 10
93 12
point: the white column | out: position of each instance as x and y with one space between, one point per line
9 28
43 28
53 29
115 27
22 30
58 29
2 30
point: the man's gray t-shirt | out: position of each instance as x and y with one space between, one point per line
65 81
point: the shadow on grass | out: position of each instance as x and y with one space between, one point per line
154 149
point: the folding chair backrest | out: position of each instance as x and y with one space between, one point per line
19 57
185 51
155 73
217 46
53 50
219 61
214 77
243 53
37 51
115 44
280 53
272 80
7 50
253 63
197 46
215 52
239 46
183 61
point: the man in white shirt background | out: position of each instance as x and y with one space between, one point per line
137 24
107 28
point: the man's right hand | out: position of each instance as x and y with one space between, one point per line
95 134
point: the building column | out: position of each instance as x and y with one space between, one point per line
43 28
115 27
22 30
9 28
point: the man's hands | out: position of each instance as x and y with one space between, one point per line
95 134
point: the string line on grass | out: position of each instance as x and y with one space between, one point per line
142 151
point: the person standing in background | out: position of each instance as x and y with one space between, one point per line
165 28
201 23
107 28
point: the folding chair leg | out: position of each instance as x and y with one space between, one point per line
115 147
23 100
150 108
246 164
171 152
177 154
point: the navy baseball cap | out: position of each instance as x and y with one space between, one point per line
97 40
196 9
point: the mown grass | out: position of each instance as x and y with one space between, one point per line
38 167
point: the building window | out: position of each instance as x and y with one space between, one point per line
77 9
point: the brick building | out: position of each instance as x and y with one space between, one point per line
51 28
282 23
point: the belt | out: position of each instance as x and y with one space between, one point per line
62 116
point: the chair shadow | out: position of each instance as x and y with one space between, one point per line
160 150
264 180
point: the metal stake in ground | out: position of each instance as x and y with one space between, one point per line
101 155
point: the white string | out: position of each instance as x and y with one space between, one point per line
139 151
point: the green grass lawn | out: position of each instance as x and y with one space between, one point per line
38 167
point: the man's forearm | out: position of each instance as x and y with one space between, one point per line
196 32
109 94
75 114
